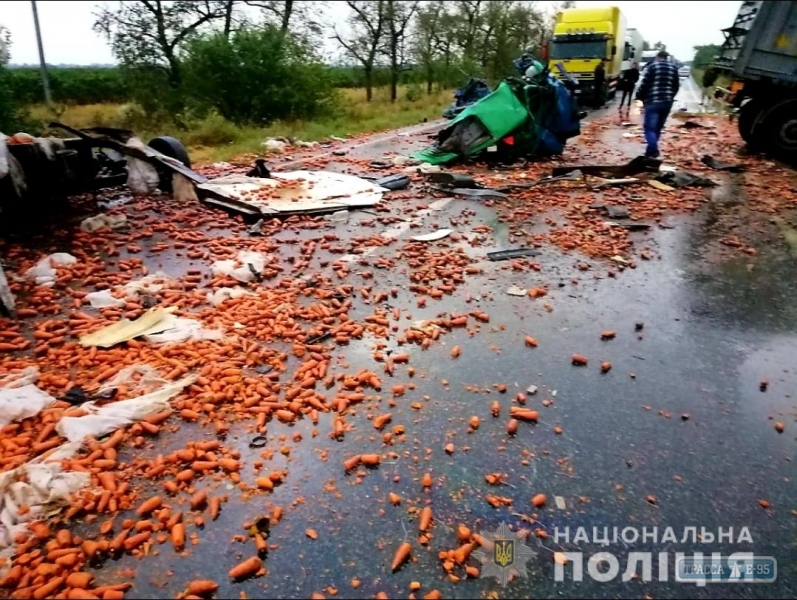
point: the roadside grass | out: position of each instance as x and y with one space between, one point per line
214 138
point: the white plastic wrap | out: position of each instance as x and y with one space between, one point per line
104 299
21 403
98 222
43 272
239 269
140 378
20 398
183 189
226 293
111 417
151 284
26 376
142 177
181 329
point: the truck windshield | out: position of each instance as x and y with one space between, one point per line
578 50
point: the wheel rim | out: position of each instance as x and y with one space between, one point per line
787 134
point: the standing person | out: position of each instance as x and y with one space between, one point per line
627 83
600 81
709 79
657 91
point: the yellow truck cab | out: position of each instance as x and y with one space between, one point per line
583 36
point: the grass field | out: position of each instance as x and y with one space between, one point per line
215 138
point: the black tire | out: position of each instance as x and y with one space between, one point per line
750 117
171 147
780 130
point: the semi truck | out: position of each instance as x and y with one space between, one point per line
634 48
584 36
760 55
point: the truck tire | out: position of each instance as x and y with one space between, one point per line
171 147
780 130
748 116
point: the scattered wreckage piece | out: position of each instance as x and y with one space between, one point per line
453 180
478 193
679 179
290 193
640 164
512 253
718 165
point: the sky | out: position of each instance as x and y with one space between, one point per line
69 39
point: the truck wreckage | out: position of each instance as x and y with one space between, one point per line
34 171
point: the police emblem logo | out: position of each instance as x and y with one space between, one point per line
503 554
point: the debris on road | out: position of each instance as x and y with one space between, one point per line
718 165
434 236
512 254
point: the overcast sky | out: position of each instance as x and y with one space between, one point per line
69 38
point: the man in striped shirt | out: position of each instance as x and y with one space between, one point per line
658 90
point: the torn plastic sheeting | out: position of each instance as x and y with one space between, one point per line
111 417
104 299
42 488
103 221
151 284
142 177
43 272
22 402
242 273
180 329
183 189
124 330
226 293
140 378
20 398
293 192
434 236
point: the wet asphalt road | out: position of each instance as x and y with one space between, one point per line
710 336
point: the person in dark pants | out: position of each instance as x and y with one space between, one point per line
709 79
627 83
657 91
600 82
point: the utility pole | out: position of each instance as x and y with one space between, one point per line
48 99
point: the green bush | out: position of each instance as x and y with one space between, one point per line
414 92
213 130
256 77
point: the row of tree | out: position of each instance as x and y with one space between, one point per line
259 60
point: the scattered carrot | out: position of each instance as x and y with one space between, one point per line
425 519
202 587
150 505
580 360
401 556
246 568
539 501
311 533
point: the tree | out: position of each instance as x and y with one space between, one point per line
285 14
258 75
151 32
646 46
705 55
426 43
398 14
368 23
660 46
9 121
